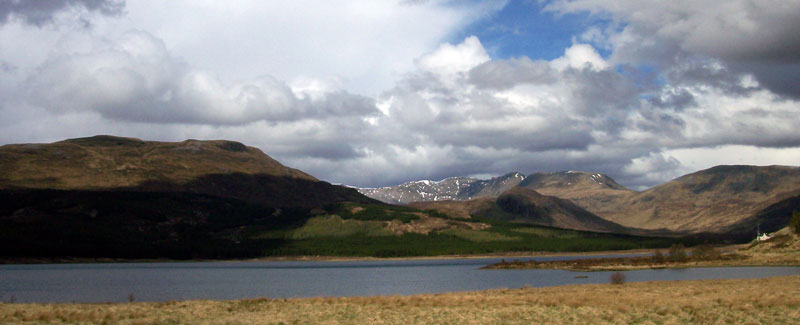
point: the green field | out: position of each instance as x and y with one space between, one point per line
333 236
153 225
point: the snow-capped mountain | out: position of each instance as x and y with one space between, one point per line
453 188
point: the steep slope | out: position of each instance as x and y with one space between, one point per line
767 219
522 205
718 199
591 191
454 188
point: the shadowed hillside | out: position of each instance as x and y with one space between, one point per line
723 201
591 191
108 196
112 197
522 205
719 199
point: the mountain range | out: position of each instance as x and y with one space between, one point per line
722 199
108 196
453 188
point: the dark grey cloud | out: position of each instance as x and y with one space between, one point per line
750 36
708 73
676 99
779 77
504 74
601 94
40 12
658 123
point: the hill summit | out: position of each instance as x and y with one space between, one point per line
106 161
107 196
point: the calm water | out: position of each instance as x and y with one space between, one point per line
236 280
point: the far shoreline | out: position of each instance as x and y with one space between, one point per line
76 260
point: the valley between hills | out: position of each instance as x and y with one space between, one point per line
107 197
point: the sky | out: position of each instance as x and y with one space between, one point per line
375 93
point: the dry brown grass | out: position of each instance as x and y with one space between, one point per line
92 163
753 301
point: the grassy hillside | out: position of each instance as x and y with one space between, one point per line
591 191
783 248
112 162
711 200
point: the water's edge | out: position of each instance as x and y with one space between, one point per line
119 282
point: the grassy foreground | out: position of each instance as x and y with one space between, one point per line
753 301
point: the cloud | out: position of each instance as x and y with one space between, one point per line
368 44
732 30
754 37
451 59
658 102
580 56
505 74
442 107
653 168
39 13
576 112
135 78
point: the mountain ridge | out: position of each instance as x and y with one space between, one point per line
721 199
451 188
526 206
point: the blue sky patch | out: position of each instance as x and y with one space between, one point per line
523 28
